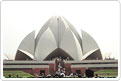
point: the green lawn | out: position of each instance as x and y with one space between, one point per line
14 74
107 72
21 74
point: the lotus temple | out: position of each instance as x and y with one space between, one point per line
58 39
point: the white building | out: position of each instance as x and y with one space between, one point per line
58 38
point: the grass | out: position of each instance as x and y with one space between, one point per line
14 74
107 72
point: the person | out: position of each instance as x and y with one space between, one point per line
62 63
79 75
36 74
89 73
74 75
17 76
96 76
67 59
71 75
56 63
49 76
43 75
62 75
9 75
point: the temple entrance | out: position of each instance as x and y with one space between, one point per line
78 71
58 53
42 72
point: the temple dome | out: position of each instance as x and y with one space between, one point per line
58 38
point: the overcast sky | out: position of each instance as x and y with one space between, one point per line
98 18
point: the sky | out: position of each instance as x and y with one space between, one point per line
98 18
